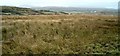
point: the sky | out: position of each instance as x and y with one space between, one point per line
62 3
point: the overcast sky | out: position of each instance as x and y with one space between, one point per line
62 3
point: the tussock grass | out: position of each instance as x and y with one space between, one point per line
71 34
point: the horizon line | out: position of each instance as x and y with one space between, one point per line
61 7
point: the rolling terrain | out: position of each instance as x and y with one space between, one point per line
44 31
80 10
11 10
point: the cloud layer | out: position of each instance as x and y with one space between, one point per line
64 3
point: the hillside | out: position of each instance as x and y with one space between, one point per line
10 10
16 11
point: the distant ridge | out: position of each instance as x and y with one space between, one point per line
16 10
12 10
78 9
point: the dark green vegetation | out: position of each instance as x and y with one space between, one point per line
60 34
10 10
7 10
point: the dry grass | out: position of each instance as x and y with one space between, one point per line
60 34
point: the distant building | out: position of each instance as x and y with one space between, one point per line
69 13
95 11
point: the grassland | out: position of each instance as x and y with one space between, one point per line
60 34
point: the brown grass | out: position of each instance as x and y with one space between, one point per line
59 34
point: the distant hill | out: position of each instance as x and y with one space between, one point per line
17 10
79 10
10 10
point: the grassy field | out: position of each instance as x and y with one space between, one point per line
60 34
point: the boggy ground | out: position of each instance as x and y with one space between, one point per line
60 34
